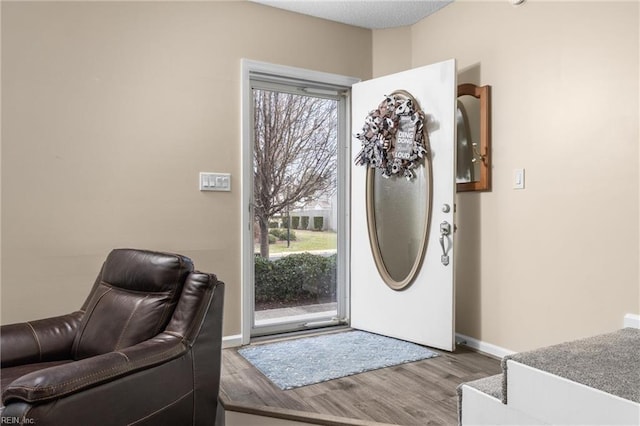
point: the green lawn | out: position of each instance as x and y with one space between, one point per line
306 241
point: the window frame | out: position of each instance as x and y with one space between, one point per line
307 82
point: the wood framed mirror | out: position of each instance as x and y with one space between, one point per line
473 122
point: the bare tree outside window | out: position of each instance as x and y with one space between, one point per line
295 154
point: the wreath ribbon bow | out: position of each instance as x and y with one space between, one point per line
393 137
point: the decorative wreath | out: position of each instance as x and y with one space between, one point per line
393 137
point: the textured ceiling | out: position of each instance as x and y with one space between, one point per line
372 14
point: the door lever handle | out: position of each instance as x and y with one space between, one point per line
445 244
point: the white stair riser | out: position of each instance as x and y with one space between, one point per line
556 400
478 408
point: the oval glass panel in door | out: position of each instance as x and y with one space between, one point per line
398 213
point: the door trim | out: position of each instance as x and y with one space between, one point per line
249 67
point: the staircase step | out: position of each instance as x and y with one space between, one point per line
491 385
552 399
588 381
480 403
608 362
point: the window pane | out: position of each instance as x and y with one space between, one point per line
295 207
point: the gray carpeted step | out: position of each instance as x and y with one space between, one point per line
609 362
491 385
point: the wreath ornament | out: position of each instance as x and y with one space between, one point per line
393 137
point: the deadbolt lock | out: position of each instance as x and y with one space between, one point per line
445 228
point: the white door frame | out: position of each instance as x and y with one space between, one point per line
249 67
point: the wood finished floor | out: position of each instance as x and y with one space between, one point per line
418 393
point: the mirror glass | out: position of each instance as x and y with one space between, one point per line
468 137
473 140
398 213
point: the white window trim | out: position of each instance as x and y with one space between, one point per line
249 67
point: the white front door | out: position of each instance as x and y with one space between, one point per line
424 311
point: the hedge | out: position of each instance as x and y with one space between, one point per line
318 222
299 276
295 222
281 234
304 222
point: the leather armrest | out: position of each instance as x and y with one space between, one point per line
38 341
62 380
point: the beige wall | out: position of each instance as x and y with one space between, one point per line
392 50
110 110
559 259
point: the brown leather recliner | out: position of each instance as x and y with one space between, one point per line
144 349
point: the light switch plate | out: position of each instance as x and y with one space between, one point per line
518 179
215 181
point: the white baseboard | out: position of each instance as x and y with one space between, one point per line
632 320
232 341
481 346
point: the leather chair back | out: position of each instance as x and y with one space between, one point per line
197 319
132 300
